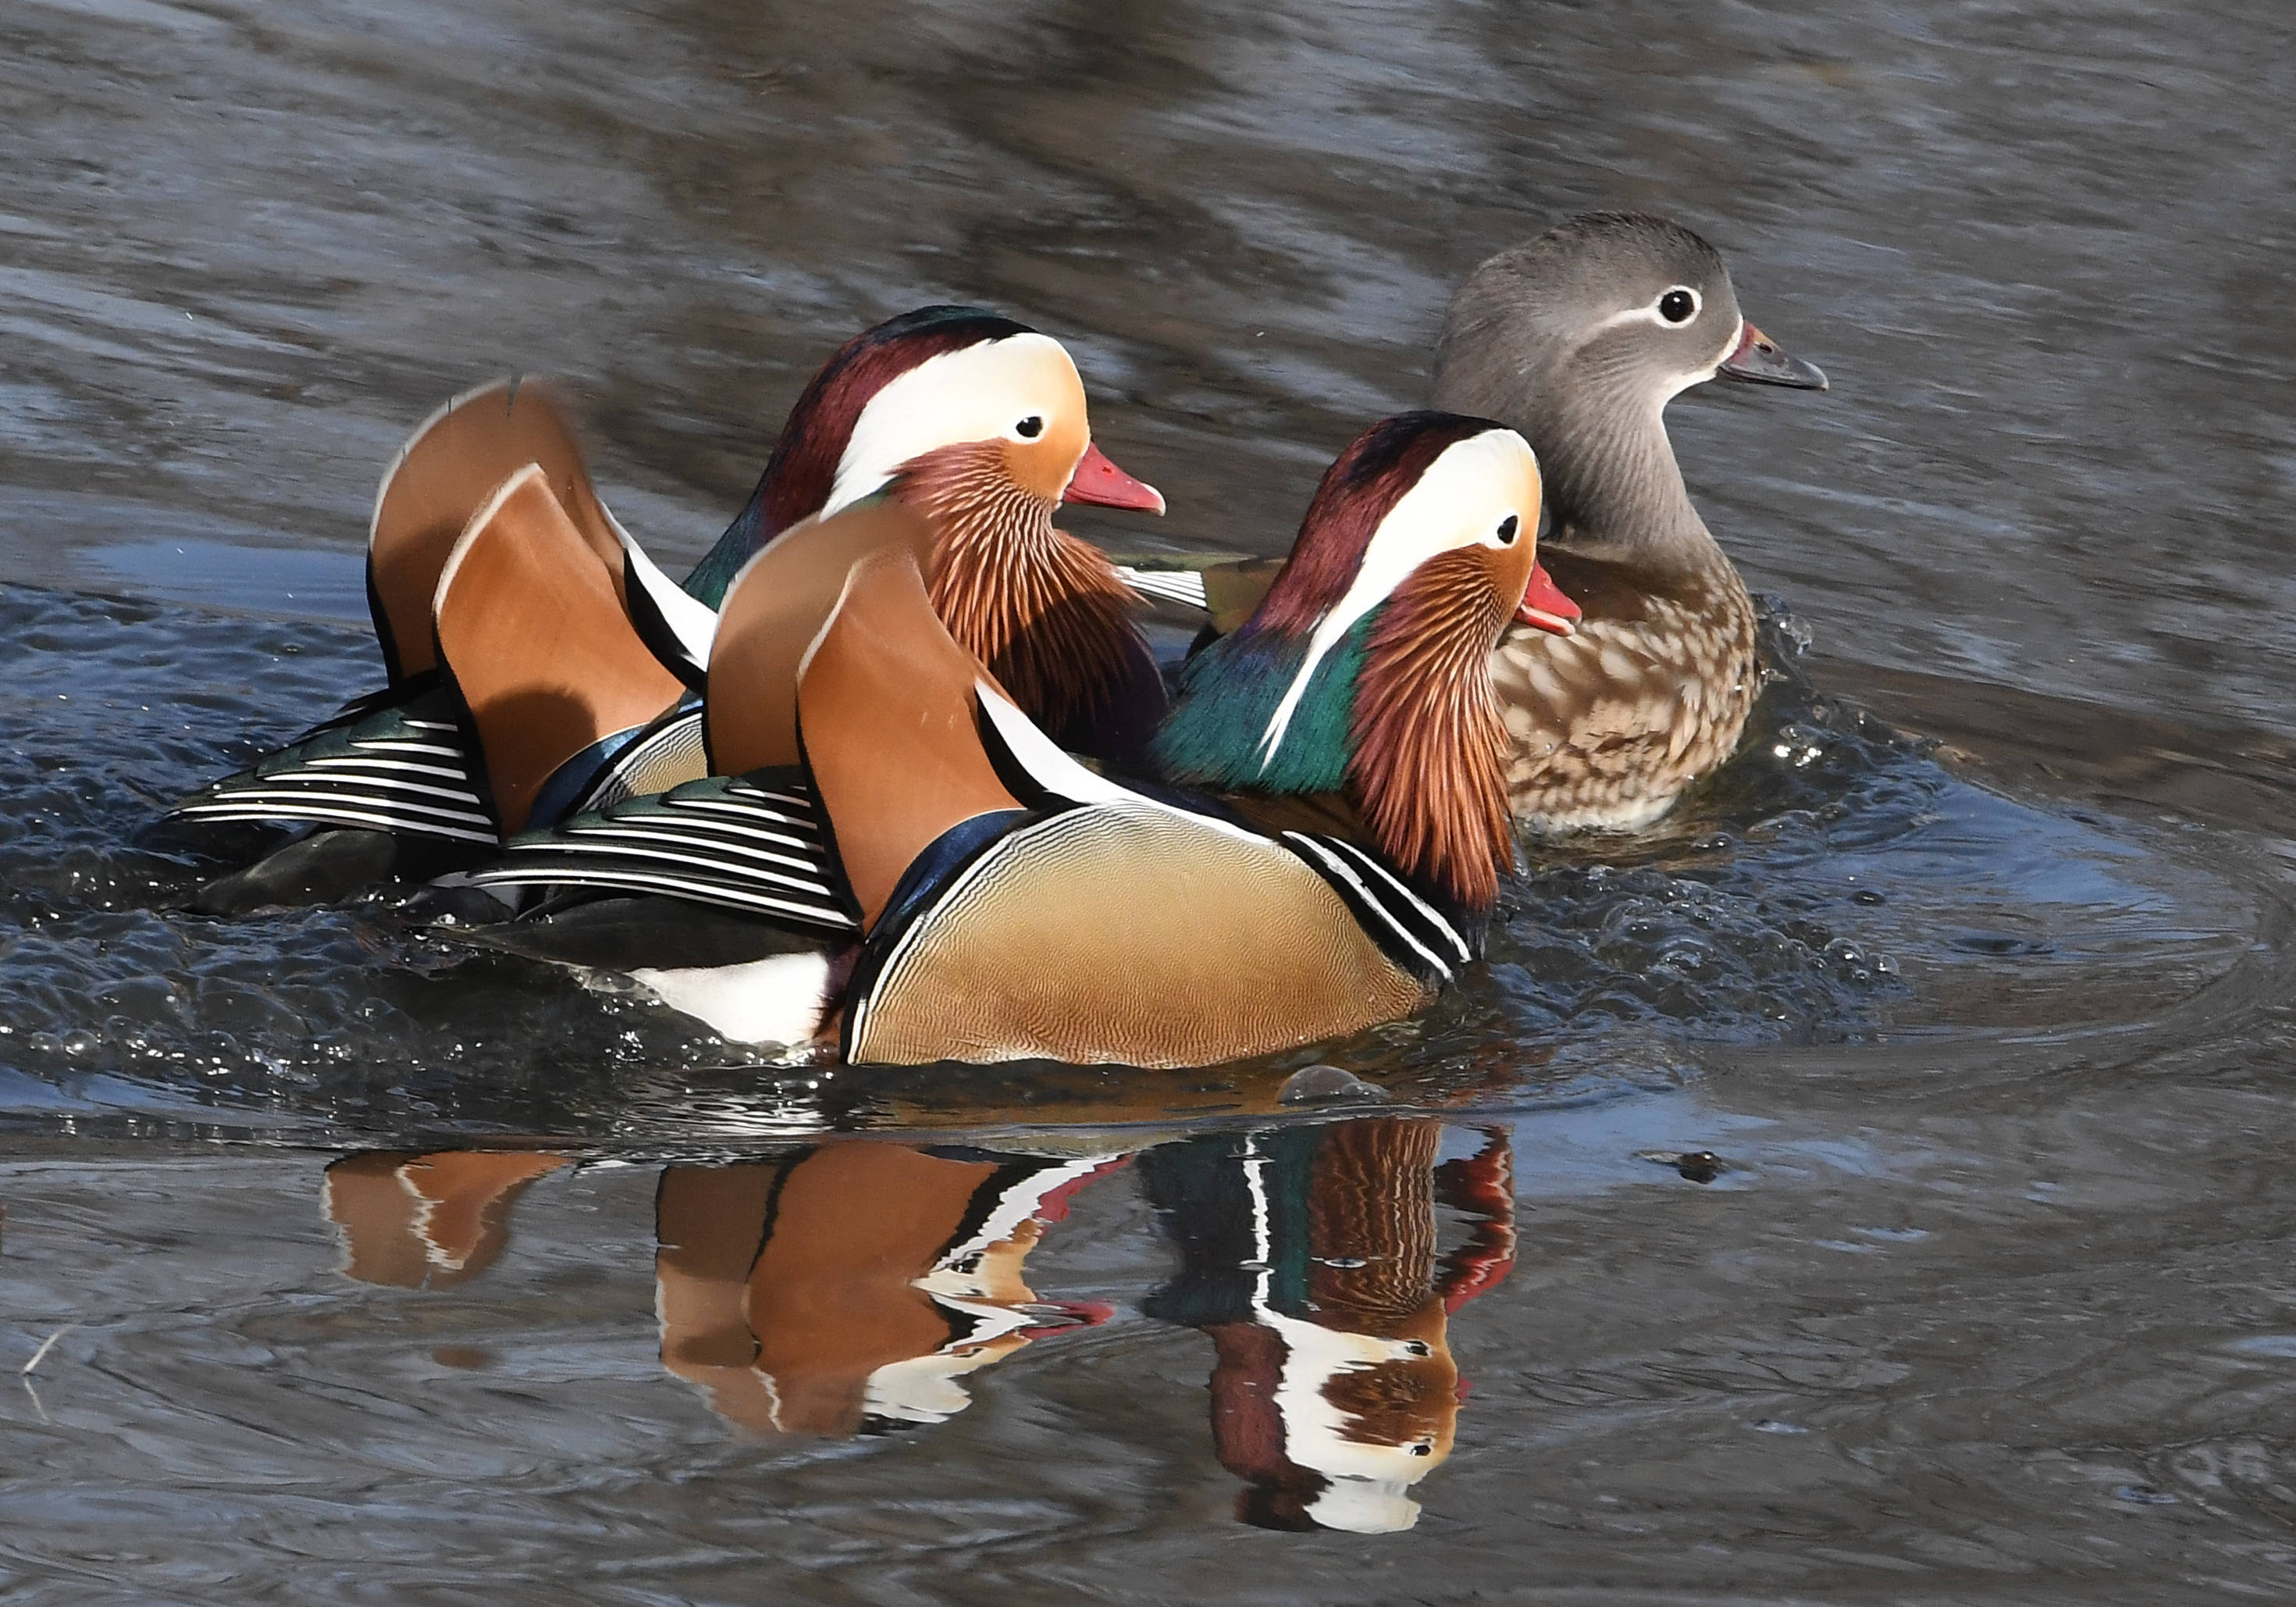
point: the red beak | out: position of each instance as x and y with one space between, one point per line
1100 482
1545 607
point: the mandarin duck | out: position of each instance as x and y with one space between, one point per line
972 417
988 897
1577 341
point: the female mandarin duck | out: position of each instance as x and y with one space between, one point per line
1010 903
976 418
1579 341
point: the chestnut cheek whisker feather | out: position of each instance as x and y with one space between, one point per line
1427 733
1044 611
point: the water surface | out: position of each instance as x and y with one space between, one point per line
1870 1187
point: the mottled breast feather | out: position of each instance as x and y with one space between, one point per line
1606 728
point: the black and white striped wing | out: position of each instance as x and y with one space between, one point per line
753 844
406 770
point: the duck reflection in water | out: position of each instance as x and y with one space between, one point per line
840 1290
1309 1256
427 1221
848 1288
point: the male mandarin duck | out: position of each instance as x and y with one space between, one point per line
1010 903
971 416
1577 341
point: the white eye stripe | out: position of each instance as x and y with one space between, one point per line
975 394
1648 313
1442 512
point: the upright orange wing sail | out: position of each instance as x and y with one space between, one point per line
530 624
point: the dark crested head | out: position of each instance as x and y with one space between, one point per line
1354 496
805 462
1367 665
943 394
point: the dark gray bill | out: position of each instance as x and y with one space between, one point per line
1758 361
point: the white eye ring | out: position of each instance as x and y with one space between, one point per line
1671 305
1030 429
1504 535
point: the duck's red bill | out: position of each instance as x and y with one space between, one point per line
1100 482
1544 607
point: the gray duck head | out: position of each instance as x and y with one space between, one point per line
1579 339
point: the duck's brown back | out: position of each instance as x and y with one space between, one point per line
1605 728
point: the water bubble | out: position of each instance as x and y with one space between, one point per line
1322 1084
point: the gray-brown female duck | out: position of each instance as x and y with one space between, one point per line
1579 339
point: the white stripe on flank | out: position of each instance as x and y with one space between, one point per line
809 883
657 828
713 809
333 779
336 815
739 787
395 744
1435 917
1347 874
648 881
255 795
365 762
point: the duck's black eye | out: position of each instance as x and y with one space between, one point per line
1507 529
1029 429
1678 306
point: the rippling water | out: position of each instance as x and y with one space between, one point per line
1872 1186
